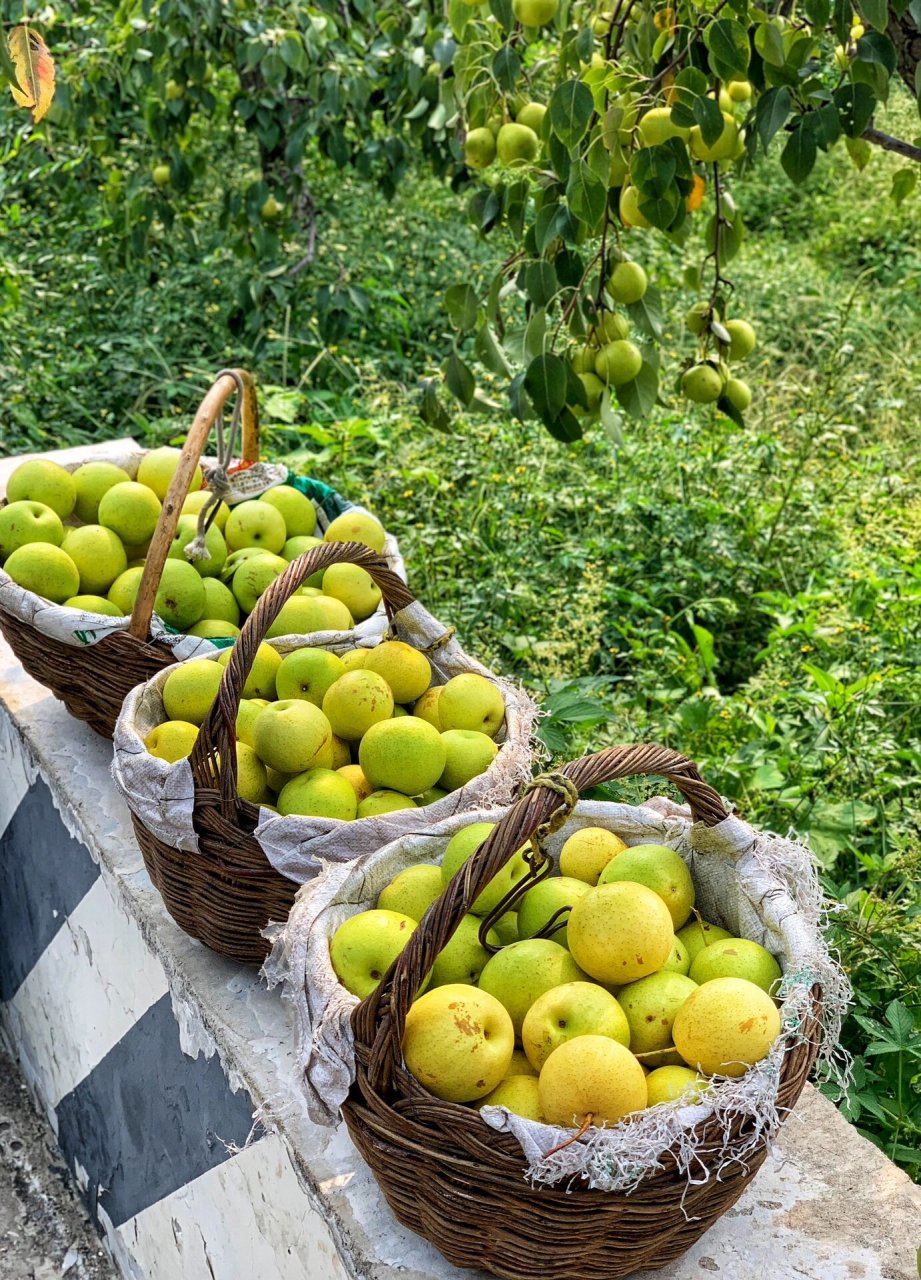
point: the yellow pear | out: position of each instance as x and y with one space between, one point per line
406 670
587 852
591 1076
355 702
725 1026
620 932
520 1094
172 740
668 1084
458 1042
357 526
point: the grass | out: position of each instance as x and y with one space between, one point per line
750 598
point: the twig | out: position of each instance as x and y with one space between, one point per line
888 143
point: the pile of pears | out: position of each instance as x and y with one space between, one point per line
634 1001
95 560
344 737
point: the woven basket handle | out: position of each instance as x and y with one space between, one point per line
176 494
379 1020
218 733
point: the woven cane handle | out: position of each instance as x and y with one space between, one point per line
178 491
218 733
379 1020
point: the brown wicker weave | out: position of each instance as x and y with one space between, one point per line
452 1179
228 891
92 682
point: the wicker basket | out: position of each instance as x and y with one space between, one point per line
92 681
456 1181
226 892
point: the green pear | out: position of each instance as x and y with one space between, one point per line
294 507
679 961
308 673
319 793
91 481
402 755
463 957
290 735
180 598
697 934
660 869
44 481
470 701
651 1005
247 712
468 753
24 522
737 958
124 589
462 846
364 947
131 510
253 575
356 526
98 554
412 891
406 670
158 467
355 702
379 802
255 524
45 569
569 1010
187 532
543 901
190 689
519 973
214 629
220 602
94 604
252 784
260 683
426 707
354 587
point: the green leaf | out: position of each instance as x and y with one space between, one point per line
773 110
461 306
506 67
875 47
689 85
540 283
661 210
860 151
502 12
707 114
876 12
769 43
727 41
841 20
855 105
647 313
653 170
901 1021
767 777
545 383
431 410
566 428
638 397
818 12
571 108
587 195
490 353
546 228
461 382
904 182
799 155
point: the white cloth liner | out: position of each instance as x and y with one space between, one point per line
757 886
162 794
79 629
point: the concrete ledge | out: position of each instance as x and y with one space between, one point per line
167 1075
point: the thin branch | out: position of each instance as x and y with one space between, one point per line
888 143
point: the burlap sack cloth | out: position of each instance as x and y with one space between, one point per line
77 628
161 795
757 886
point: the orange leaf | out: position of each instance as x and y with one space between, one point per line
696 198
34 71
